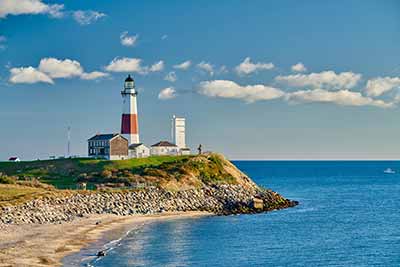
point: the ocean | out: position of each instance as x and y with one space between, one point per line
349 215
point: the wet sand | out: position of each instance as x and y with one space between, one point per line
47 244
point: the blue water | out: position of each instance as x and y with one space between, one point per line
349 215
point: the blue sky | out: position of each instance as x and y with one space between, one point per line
262 79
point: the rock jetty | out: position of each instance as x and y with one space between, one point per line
219 199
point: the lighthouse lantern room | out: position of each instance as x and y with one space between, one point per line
129 121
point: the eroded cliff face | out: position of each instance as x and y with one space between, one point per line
201 183
196 172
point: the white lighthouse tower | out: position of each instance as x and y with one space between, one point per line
129 122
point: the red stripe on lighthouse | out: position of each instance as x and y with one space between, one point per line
129 124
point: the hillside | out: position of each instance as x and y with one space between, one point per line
169 172
206 182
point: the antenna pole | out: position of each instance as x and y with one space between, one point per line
69 141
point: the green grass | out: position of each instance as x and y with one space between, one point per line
165 171
64 173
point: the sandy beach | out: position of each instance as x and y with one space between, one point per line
47 244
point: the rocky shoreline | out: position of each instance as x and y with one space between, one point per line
221 199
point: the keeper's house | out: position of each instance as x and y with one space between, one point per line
108 146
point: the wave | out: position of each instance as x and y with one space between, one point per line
107 247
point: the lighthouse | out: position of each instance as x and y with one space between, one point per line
129 121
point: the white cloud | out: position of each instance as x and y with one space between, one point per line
167 93
28 75
252 93
93 75
127 40
247 67
158 66
207 67
126 64
86 17
56 68
184 65
171 77
21 7
341 97
299 67
230 89
324 80
379 86
52 68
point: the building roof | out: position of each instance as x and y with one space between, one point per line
164 143
133 146
103 137
129 79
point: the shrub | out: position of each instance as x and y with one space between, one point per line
82 176
35 183
106 174
4 179
113 170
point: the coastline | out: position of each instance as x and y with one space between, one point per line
47 244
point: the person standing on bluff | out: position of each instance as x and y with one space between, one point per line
199 149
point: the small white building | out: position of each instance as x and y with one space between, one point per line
185 151
14 159
164 148
138 151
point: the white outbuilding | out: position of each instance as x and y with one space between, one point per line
164 148
14 159
138 151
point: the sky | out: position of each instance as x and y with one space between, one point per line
254 79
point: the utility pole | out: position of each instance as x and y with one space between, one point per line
69 142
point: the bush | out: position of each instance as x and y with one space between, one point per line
83 176
4 179
35 183
106 174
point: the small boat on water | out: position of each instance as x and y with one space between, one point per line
389 171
